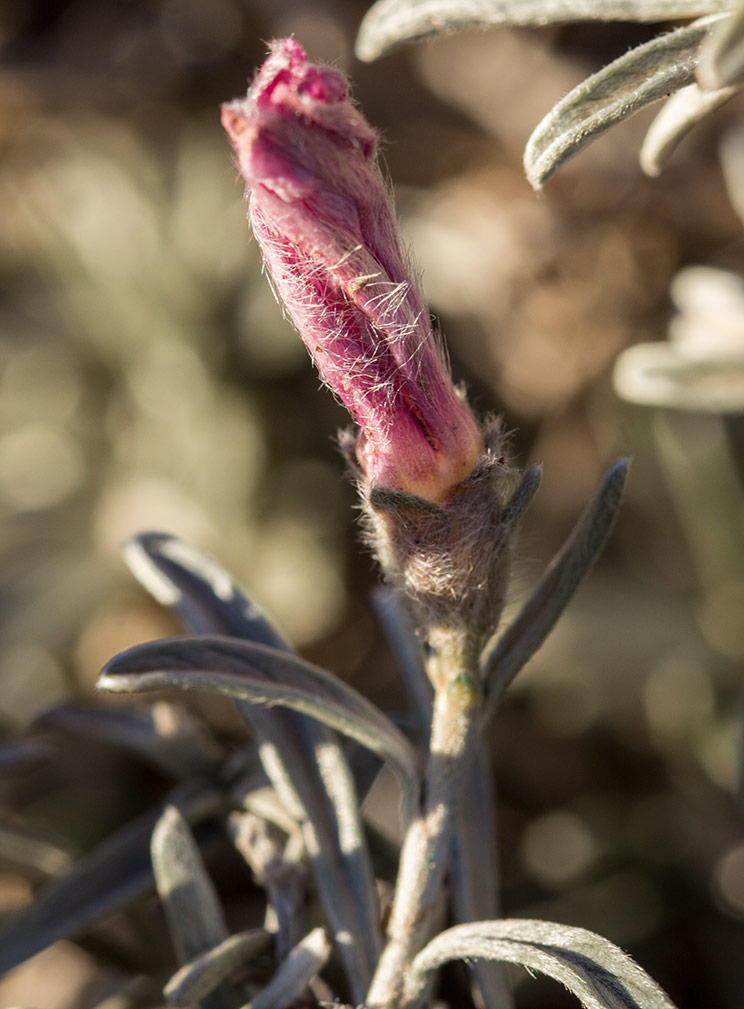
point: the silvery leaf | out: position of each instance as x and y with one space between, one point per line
163 734
678 116
201 975
390 23
722 53
302 757
204 594
597 972
32 851
191 904
16 758
293 764
731 154
277 867
516 507
113 874
400 632
644 75
262 675
295 973
474 873
554 590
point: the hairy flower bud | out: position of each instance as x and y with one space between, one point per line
322 215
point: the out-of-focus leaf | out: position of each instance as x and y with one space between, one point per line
722 53
191 904
164 734
16 758
295 973
599 974
204 594
401 634
644 75
24 847
302 756
190 900
252 672
553 592
113 874
474 873
278 869
390 23
678 116
516 507
201 975
139 993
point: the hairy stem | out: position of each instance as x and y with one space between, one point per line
426 846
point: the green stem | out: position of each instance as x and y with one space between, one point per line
426 846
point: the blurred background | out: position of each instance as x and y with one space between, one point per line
148 381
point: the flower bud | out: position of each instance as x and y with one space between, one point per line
322 215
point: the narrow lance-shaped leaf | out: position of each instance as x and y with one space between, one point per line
552 593
401 636
105 879
203 593
295 973
201 975
163 734
475 875
683 111
644 75
722 53
253 672
279 868
302 756
391 23
597 972
191 904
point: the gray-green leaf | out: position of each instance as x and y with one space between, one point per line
301 755
295 973
552 593
644 75
191 904
114 873
253 672
200 976
677 117
597 972
722 53
391 23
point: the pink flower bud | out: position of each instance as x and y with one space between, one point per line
322 215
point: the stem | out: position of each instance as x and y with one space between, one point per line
426 846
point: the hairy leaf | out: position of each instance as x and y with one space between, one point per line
191 904
401 635
644 75
253 672
295 973
201 975
597 972
474 873
722 53
390 23
163 734
678 116
553 592
204 594
110 876
302 757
